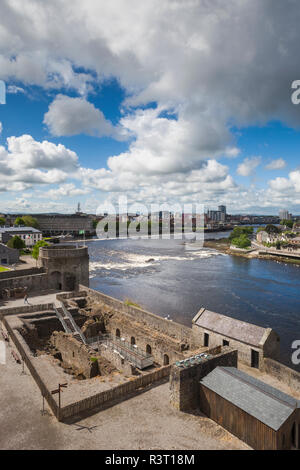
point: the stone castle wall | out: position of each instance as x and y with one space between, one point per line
184 382
75 354
66 266
170 328
282 373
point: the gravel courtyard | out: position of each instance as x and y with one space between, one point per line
145 421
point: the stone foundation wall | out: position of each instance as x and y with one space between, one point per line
184 382
114 358
161 345
75 354
170 328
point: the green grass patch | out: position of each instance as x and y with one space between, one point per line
2 268
130 303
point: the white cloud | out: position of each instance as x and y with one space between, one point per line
27 162
277 164
232 152
247 167
13 89
70 116
65 190
290 184
164 145
215 65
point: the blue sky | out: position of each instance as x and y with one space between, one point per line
155 106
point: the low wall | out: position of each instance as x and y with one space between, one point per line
184 382
21 272
108 396
282 373
25 354
25 309
170 328
33 282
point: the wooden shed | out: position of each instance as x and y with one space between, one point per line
262 416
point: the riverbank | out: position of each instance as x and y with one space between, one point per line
223 245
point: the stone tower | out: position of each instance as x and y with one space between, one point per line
67 266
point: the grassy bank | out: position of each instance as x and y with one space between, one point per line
223 245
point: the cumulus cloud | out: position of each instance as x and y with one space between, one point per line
70 116
292 183
213 64
164 145
26 162
277 164
65 190
248 166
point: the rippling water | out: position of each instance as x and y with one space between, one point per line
171 278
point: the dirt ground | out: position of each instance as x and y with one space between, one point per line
145 421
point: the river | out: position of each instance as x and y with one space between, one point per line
171 278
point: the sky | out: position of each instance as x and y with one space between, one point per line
164 101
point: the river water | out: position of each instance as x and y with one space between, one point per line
168 277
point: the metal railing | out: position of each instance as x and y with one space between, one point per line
76 328
61 319
130 352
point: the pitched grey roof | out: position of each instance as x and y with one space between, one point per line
227 326
265 403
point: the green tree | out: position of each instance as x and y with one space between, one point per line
19 221
287 223
30 221
239 230
242 241
27 220
36 248
2 221
16 242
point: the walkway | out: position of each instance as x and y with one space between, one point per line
44 297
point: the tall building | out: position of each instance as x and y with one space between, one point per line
284 214
222 209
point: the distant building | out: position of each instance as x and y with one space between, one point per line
285 215
214 216
29 235
62 224
8 255
222 209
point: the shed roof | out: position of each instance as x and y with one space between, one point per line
265 403
231 327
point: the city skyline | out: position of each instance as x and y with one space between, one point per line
163 111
